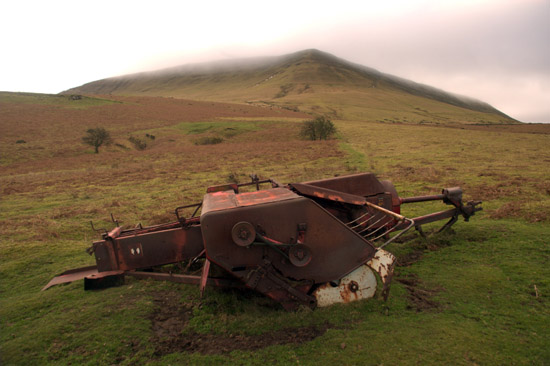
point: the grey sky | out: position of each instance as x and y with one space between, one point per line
494 50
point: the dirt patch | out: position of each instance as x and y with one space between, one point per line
171 317
419 297
515 209
410 258
225 343
509 187
432 241
509 209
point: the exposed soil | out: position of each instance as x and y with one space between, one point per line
171 317
419 297
515 209
508 187
431 242
407 259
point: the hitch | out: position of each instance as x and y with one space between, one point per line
450 196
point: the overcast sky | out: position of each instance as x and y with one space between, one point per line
497 51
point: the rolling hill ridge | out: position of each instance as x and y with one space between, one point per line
311 81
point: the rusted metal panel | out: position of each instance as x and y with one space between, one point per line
204 276
434 197
223 188
361 184
90 274
71 276
187 279
335 249
383 263
436 216
148 249
390 189
358 285
102 280
225 200
328 194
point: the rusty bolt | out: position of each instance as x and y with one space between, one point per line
353 286
299 254
243 234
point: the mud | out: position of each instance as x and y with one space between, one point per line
170 318
419 296
410 258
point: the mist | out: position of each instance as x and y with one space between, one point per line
494 51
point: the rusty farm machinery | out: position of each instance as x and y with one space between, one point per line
314 243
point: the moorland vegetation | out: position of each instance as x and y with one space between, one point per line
474 295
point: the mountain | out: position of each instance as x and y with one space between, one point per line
311 81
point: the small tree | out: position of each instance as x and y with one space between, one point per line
320 128
96 137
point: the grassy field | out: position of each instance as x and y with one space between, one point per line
477 295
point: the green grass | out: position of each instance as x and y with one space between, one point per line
487 314
65 101
226 129
496 166
488 279
355 160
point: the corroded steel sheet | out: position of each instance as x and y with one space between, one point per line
71 275
225 200
361 184
335 248
143 250
358 285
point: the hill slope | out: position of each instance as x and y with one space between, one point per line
311 81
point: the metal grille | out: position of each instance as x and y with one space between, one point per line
380 225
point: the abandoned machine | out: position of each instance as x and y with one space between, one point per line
313 243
